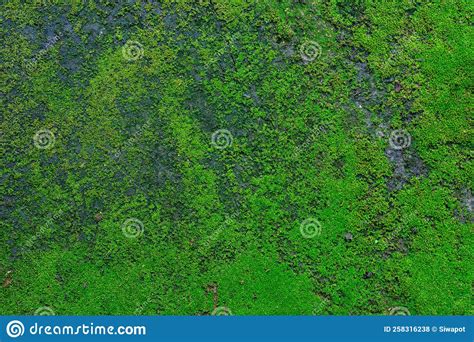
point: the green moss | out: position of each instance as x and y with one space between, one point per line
133 139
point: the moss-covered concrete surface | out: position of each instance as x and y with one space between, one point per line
268 157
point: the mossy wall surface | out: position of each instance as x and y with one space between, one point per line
227 156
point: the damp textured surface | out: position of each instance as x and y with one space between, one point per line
219 157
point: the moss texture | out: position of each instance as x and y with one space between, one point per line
252 145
